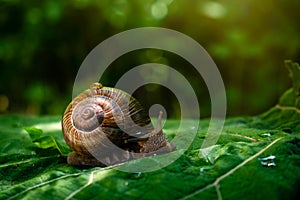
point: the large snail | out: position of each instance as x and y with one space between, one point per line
106 126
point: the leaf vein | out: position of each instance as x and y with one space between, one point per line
287 108
42 184
25 161
218 180
90 181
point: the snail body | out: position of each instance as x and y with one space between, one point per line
106 126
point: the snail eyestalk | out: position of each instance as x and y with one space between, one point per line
159 121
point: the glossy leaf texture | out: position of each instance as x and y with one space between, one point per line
237 166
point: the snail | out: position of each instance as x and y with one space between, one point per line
107 126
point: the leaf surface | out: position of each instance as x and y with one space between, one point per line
33 162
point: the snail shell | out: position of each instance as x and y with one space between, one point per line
105 126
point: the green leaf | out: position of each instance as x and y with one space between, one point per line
231 169
33 132
50 142
46 142
292 96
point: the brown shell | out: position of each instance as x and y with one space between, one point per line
101 118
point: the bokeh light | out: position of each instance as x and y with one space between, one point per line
43 43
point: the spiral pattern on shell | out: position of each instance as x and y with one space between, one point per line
87 115
99 119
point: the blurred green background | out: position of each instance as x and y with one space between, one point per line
43 43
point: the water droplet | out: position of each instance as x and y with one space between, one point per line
266 135
271 157
138 175
268 161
